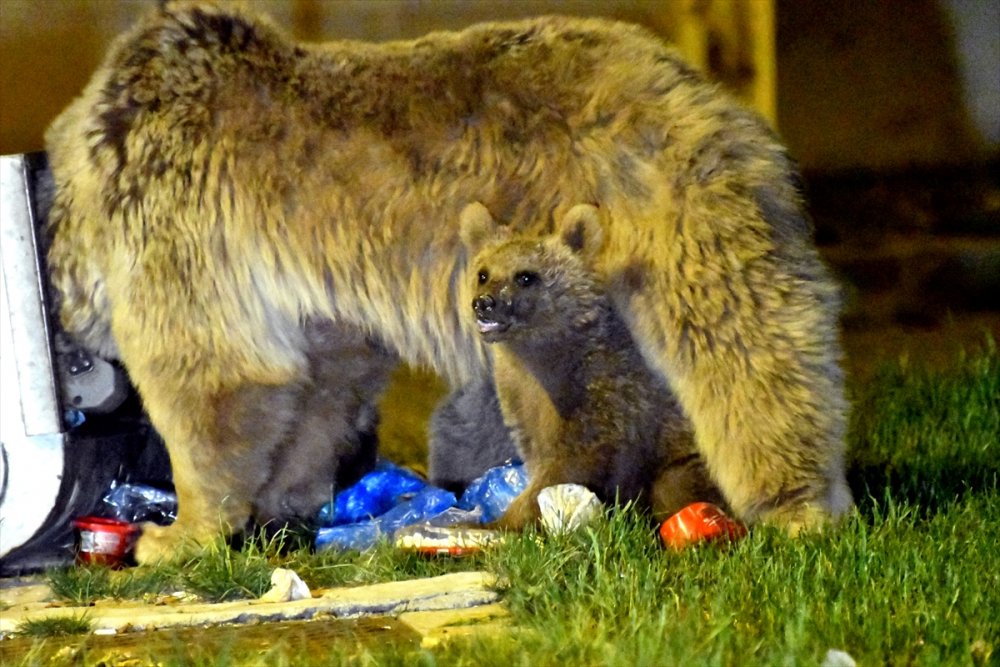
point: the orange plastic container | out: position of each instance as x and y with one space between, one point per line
699 522
105 541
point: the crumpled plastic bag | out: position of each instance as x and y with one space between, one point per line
136 503
567 507
390 498
373 495
426 504
494 491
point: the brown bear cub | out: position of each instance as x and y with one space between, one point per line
580 400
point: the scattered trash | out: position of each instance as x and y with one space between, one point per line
567 507
73 418
445 540
836 658
699 522
373 495
426 504
137 503
104 541
391 498
493 492
286 586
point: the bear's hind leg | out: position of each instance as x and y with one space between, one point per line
681 482
334 439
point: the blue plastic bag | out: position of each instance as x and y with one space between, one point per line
372 495
391 497
493 492
426 504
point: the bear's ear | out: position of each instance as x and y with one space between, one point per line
582 230
477 227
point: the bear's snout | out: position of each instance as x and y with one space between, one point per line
491 317
484 304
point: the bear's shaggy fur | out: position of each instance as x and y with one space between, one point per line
218 185
581 402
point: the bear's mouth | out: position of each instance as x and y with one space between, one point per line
491 327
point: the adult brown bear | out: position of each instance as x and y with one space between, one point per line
220 187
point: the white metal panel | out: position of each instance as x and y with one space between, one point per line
31 438
23 287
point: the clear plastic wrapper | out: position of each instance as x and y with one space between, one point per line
445 540
137 503
456 516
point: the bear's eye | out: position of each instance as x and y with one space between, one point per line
526 278
484 275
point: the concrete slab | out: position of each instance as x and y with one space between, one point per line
14 593
458 590
436 627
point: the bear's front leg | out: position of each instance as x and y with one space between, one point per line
221 432
334 436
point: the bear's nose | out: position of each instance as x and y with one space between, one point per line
484 303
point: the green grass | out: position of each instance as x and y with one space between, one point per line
913 578
218 573
58 626
929 438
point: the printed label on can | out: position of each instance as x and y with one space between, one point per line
99 543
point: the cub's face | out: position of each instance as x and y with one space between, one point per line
527 290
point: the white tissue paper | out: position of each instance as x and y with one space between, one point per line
285 587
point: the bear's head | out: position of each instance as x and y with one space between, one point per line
528 288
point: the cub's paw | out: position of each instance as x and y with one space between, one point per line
523 512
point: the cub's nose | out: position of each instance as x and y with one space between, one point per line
484 304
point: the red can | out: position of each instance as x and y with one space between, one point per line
699 522
104 541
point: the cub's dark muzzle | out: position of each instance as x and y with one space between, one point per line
489 319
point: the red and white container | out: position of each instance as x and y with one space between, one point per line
428 540
700 522
105 541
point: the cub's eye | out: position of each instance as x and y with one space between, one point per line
526 278
484 275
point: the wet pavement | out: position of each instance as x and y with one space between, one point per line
421 612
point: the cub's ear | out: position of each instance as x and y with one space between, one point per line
476 227
582 230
